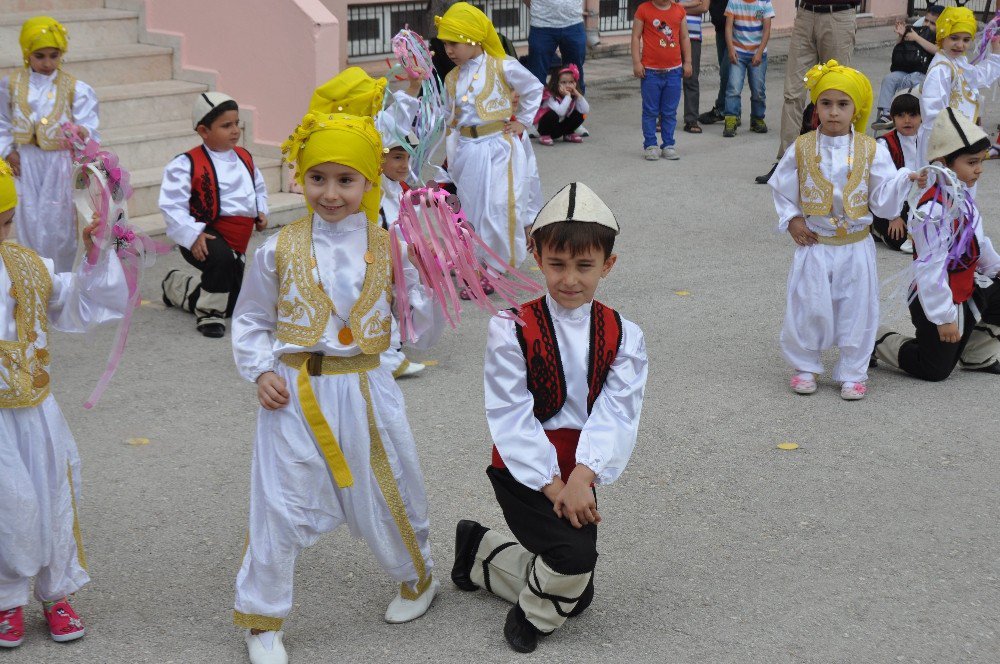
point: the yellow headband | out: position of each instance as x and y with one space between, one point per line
466 24
834 76
351 91
955 19
42 32
8 194
340 138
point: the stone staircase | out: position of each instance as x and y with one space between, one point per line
145 113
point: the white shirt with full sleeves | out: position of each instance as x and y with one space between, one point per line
607 435
239 194
563 106
41 98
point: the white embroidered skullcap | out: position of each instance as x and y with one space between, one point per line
576 202
396 141
953 131
204 104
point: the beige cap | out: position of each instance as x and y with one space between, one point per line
952 131
576 202
204 103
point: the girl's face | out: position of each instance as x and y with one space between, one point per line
956 44
836 110
567 84
6 224
460 52
45 60
334 191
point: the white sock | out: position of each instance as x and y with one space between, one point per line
266 639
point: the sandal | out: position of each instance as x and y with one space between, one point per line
546 140
486 286
573 138
692 128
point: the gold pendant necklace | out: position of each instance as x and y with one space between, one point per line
475 77
345 336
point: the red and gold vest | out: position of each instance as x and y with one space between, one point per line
961 272
206 201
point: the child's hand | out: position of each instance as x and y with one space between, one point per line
411 253
200 247
14 159
920 177
897 229
732 56
800 232
576 501
261 222
84 133
686 72
900 28
513 127
87 234
552 491
949 333
271 391
638 70
415 81
758 57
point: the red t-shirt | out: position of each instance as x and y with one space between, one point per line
661 35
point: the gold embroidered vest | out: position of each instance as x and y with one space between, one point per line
816 192
963 97
304 309
495 101
46 132
24 380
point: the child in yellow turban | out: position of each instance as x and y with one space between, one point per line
40 480
826 187
489 154
34 102
309 326
951 79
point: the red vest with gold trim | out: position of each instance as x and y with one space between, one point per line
961 272
206 201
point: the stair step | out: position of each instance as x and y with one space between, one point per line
146 185
149 145
285 208
134 104
85 26
46 6
115 64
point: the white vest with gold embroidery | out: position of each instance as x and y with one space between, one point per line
494 101
45 132
304 309
816 192
963 97
24 380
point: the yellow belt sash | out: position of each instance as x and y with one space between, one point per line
841 240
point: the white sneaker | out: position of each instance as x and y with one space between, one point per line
581 131
907 246
404 610
853 391
412 369
670 152
803 382
261 654
652 153
532 131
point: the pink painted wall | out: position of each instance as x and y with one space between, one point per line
273 53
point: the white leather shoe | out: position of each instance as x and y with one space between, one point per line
404 610
412 369
259 654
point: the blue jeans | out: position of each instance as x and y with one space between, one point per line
739 71
543 42
722 52
661 94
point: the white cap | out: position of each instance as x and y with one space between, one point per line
952 131
576 202
395 142
204 104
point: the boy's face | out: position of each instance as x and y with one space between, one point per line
397 164
460 52
572 280
6 224
45 60
956 44
224 134
334 191
835 110
906 124
968 167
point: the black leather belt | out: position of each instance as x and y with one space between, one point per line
826 9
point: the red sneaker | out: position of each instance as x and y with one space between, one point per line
64 624
11 627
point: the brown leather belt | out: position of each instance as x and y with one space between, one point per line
475 131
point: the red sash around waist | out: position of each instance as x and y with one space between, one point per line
236 231
565 442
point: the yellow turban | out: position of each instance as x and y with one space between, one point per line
834 76
8 195
340 138
955 19
351 91
464 23
42 32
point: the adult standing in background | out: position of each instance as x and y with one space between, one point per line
823 30
556 24
717 12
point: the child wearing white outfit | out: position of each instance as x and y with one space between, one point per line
826 187
34 103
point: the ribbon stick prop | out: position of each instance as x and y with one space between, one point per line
415 61
101 188
981 47
444 252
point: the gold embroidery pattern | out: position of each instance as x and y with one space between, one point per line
450 86
816 192
960 89
45 133
254 621
390 491
511 213
372 337
80 553
21 362
494 101
856 190
292 258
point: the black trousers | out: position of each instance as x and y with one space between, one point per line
221 271
551 125
929 358
529 515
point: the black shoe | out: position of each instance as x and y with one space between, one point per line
989 368
521 635
213 330
468 535
762 179
164 290
711 117
872 361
